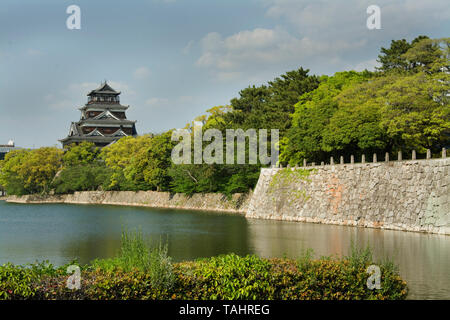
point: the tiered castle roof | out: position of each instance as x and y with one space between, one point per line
103 120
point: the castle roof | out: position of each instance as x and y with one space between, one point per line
103 119
104 88
104 106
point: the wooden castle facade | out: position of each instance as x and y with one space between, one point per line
103 120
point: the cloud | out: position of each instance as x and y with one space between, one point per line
157 102
317 34
368 64
328 18
141 73
188 47
260 48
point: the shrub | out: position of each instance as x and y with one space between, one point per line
142 272
229 277
18 282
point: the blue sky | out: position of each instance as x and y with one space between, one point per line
175 59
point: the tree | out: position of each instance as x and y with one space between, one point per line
121 158
81 154
87 177
391 58
415 111
312 116
422 54
428 55
269 107
156 160
30 171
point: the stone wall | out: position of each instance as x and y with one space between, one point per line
402 195
210 201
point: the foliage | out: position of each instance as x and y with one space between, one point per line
19 282
269 107
224 277
231 277
30 171
264 107
136 256
139 163
121 158
84 153
392 112
140 271
285 178
404 107
402 56
89 177
312 116
155 162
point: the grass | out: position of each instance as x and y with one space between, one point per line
137 255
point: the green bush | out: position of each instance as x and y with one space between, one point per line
229 277
19 282
142 272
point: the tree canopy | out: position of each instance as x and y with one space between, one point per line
403 105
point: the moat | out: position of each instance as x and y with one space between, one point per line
61 233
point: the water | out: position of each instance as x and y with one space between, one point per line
61 233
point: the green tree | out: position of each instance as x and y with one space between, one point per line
155 161
269 107
80 154
121 158
392 58
30 171
87 177
312 116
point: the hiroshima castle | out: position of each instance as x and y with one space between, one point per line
103 120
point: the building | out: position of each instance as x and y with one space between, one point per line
103 120
5 148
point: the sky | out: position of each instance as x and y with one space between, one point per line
174 59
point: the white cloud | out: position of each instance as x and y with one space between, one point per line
262 47
141 73
317 34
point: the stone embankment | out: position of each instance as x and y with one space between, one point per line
209 201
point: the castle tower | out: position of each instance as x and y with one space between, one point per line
103 120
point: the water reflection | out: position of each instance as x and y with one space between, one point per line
423 259
62 233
